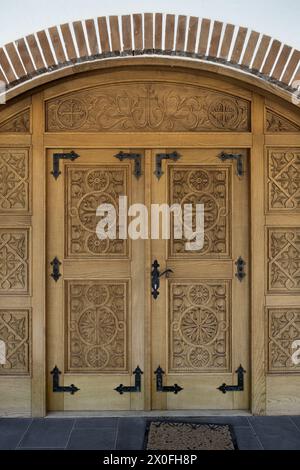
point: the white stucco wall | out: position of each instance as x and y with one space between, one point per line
277 18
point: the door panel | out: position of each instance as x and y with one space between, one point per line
91 308
200 319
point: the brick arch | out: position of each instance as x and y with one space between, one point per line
151 34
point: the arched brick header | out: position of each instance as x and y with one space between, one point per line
153 34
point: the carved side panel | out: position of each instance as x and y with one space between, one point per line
276 123
14 261
14 181
147 107
199 326
283 330
18 123
87 188
284 260
97 326
209 186
15 332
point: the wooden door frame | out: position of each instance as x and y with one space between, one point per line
254 141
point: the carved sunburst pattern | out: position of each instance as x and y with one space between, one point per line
87 188
199 326
15 333
97 328
209 186
283 329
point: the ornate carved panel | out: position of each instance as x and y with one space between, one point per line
18 123
284 260
283 180
15 333
210 186
14 180
147 107
87 188
14 261
283 330
276 123
97 326
199 326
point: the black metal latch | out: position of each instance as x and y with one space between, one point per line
237 157
240 269
165 388
235 388
55 263
136 387
137 157
58 388
61 156
164 156
155 278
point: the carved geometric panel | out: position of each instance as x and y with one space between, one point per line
283 330
147 107
199 326
276 123
88 187
284 180
18 123
14 261
209 186
97 326
14 181
284 260
15 334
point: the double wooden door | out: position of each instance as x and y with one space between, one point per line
103 321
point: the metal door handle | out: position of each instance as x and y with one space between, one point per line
155 278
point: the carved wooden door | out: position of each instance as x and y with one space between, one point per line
200 320
95 319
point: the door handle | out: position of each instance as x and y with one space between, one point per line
155 278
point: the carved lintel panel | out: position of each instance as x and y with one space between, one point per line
18 123
97 326
14 180
276 123
199 326
145 106
87 188
14 261
283 330
209 186
283 180
284 260
15 334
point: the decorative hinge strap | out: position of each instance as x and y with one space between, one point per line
55 263
62 156
165 388
235 388
137 387
237 157
58 388
164 156
137 157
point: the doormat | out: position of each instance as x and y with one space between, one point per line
179 435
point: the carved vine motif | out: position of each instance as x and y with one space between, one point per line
87 188
15 333
13 261
18 123
276 123
284 179
97 328
284 329
14 180
284 260
209 186
148 107
199 326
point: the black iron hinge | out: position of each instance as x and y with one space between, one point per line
164 156
58 388
165 388
137 157
237 157
133 388
61 156
55 263
240 269
235 388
